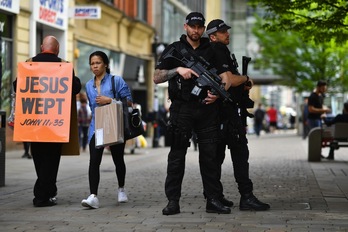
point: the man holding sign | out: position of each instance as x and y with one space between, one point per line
43 107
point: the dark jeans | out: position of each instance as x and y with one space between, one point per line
257 128
83 136
26 146
305 130
185 116
312 123
96 154
46 158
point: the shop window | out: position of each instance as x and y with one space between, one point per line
142 10
6 51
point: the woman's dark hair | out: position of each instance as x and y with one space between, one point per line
104 57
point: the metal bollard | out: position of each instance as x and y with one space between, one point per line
314 144
2 147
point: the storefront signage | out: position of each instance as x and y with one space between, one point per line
10 6
51 12
85 12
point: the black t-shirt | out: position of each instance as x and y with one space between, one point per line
224 54
316 101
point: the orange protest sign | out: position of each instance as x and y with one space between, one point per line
43 102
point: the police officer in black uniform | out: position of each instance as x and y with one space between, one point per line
47 155
234 127
189 111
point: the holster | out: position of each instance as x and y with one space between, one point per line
177 138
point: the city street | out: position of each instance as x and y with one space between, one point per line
304 196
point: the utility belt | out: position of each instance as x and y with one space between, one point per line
186 90
233 133
232 130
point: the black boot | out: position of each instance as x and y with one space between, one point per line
250 202
226 202
172 208
215 206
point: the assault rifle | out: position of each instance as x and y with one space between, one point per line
207 77
246 101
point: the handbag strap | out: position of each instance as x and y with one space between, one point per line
123 100
113 86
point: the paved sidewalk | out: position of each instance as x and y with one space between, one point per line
304 196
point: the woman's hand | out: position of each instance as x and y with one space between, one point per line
103 100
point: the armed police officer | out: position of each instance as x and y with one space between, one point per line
188 111
233 126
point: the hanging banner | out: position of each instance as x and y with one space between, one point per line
43 102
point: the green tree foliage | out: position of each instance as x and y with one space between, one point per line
317 20
301 63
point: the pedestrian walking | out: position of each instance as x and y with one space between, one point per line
272 114
259 116
46 155
304 118
99 92
315 105
84 119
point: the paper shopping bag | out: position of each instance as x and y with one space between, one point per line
109 128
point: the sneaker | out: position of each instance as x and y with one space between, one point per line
122 195
91 202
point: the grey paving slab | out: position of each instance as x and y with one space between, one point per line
304 196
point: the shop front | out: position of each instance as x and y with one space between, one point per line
23 25
8 11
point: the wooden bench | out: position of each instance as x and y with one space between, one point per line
334 136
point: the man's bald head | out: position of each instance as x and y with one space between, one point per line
50 45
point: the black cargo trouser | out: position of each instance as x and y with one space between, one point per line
235 137
203 119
